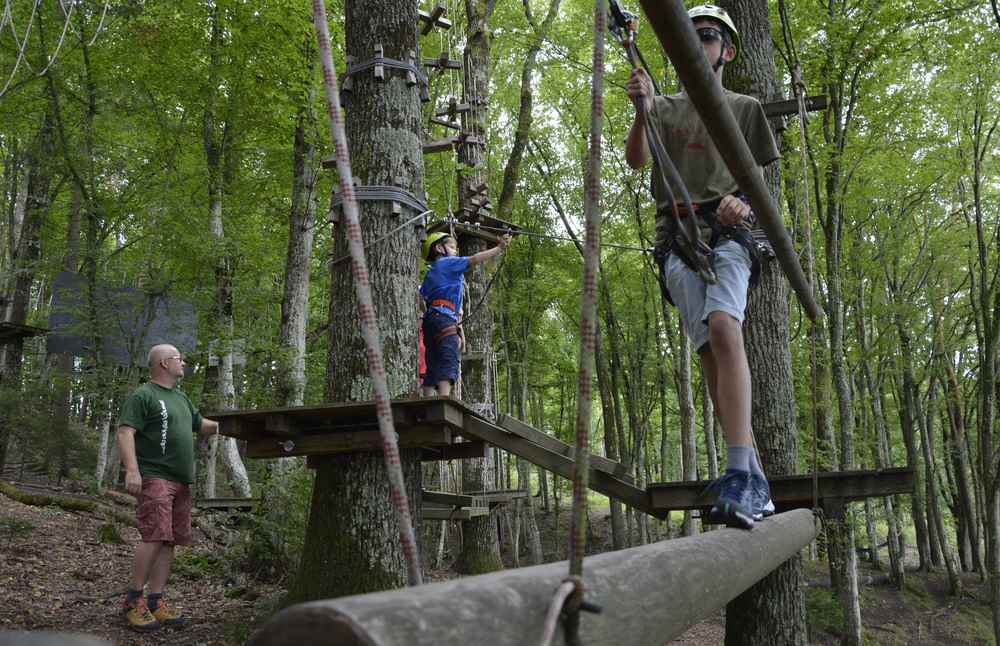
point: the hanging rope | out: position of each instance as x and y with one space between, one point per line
366 307
588 327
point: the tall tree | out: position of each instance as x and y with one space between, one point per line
773 610
353 529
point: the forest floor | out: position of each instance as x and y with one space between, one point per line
61 570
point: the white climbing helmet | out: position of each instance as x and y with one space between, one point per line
720 14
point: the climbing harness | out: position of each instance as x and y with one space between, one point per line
687 245
366 309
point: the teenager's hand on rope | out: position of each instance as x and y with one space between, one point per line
639 87
731 211
503 242
133 482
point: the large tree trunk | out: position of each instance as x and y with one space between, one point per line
772 611
352 542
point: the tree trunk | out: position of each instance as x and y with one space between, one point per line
27 251
934 490
772 611
352 541
291 379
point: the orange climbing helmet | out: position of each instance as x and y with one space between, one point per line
721 15
429 243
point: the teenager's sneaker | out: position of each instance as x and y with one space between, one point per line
138 616
734 507
762 504
166 614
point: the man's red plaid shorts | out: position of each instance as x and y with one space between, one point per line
164 512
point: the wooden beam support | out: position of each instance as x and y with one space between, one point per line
434 18
557 463
792 491
446 498
454 125
440 145
454 108
601 463
450 513
443 62
460 451
344 442
508 608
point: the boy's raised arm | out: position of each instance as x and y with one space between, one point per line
483 256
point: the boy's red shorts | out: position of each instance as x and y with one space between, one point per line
164 512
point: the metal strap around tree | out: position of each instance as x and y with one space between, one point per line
366 307
382 194
356 68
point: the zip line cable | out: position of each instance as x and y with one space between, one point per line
62 38
23 44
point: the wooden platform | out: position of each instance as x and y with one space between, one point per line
432 424
791 492
429 423
12 331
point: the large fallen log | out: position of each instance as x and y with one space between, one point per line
649 595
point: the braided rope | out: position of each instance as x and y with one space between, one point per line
366 307
588 324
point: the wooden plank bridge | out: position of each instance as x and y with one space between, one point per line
444 428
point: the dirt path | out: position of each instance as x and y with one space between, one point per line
55 574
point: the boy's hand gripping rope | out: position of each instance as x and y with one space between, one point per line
624 26
366 307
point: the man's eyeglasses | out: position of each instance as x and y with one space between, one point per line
709 34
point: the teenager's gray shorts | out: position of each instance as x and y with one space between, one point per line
695 299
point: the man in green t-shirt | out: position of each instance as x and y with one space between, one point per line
156 428
712 314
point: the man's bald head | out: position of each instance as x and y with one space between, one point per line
159 353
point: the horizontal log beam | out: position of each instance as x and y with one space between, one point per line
649 595
785 108
792 491
227 503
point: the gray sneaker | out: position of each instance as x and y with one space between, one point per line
762 504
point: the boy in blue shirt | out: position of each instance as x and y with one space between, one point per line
442 291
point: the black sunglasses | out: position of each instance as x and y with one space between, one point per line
708 34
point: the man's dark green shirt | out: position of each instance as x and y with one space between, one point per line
164 420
